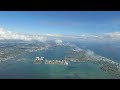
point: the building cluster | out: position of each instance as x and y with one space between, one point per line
39 60
63 62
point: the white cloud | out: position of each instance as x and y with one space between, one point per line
112 35
8 35
58 41
89 52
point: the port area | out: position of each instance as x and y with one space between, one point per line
37 62
40 60
61 62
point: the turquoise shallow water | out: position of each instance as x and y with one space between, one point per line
82 70
28 70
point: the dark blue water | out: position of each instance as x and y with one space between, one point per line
110 50
58 53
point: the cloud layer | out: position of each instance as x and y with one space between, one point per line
8 35
112 35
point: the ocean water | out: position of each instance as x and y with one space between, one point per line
109 50
26 69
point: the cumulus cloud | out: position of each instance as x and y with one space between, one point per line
58 41
8 35
89 52
80 37
112 35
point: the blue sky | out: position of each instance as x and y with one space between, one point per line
60 22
